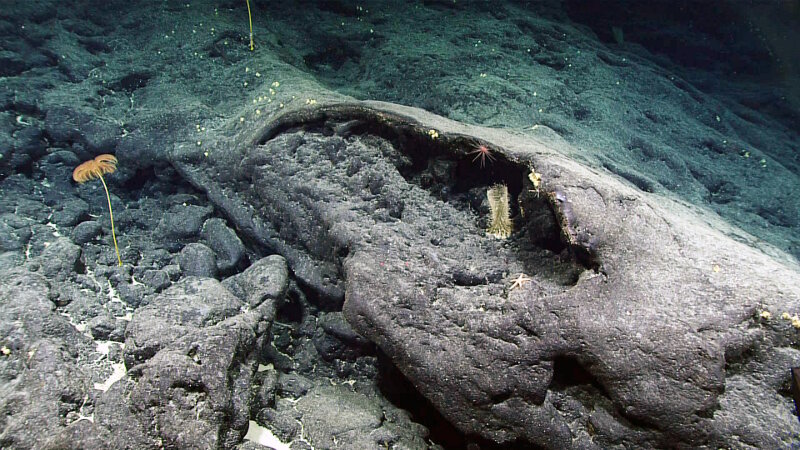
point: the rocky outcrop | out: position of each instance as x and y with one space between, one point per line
610 317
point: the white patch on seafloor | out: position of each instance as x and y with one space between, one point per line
55 229
119 372
260 435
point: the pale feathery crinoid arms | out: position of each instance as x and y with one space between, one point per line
95 168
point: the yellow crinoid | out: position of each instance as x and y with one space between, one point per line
95 168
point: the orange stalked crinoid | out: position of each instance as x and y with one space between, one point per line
95 168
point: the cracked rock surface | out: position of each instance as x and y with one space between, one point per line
634 318
306 264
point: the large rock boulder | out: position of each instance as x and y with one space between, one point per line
609 317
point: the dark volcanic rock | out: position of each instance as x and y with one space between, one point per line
267 279
60 259
190 304
37 341
191 356
336 413
335 339
627 308
86 231
227 247
351 236
182 222
197 260
195 393
70 124
12 236
71 213
156 279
